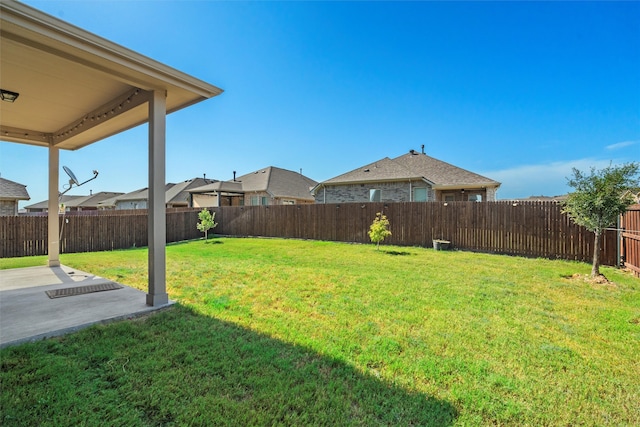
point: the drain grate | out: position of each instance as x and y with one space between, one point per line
81 290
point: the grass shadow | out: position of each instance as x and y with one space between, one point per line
214 242
180 367
398 253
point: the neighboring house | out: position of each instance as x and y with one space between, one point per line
10 194
74 203
635 195
218 193
268 186
413 177
43 206
134 200
90 202
176 196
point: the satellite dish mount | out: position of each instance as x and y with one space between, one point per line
73 180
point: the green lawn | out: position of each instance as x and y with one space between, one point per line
286 332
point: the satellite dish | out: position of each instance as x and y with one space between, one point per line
71 175
74 180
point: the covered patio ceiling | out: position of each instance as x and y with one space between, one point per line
75 88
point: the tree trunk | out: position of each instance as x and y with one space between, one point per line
595 269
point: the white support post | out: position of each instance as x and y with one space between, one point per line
157 294
53 225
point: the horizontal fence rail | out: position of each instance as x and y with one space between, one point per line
531 229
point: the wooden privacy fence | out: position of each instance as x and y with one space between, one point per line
630 239
109 230
532 229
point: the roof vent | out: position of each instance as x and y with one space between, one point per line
412 151
366 170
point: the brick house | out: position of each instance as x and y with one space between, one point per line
10 194
412 177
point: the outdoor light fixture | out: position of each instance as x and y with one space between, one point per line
8 96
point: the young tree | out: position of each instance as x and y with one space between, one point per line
379 229
206 221
599 199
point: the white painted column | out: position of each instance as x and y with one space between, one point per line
53 223
157 294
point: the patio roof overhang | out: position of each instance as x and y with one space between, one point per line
76 88
474 186
219 187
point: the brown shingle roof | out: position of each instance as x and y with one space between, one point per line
276 181
442 173
279 182
13 190
174 193
179 193
141 194
414 165
382 170
228 186
92 200
45 203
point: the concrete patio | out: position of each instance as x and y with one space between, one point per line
28 314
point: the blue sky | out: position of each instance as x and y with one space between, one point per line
520 92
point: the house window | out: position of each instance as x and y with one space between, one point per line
255 200
374 195
288 202
265 200
450 197
420 194
475 197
